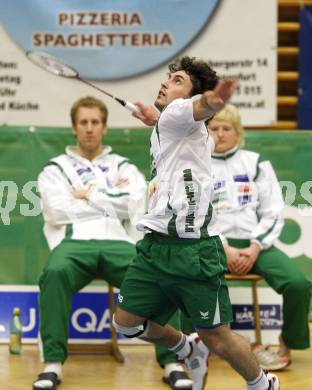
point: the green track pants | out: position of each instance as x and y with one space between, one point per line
285 277
72 265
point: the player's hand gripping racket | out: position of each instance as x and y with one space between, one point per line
57 67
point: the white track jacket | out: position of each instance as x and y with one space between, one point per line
247 197
109 208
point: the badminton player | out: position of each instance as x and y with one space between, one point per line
181 260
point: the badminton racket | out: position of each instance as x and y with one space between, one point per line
59 68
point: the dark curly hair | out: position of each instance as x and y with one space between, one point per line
203 77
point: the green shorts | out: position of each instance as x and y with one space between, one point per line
170 272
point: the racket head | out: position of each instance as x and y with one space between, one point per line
51 64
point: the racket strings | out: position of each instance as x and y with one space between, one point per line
52 64
57 67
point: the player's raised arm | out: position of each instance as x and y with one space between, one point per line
213 101
147 114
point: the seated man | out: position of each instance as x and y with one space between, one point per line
87 194
248 204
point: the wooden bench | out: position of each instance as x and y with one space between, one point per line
253 279
108 347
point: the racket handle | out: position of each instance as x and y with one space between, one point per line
131 107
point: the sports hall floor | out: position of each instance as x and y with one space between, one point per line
139 372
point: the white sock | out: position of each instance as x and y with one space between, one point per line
260 383
180 383
54 367
182 348
172 367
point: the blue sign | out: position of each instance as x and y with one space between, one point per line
107 39
90 317
270 317
28 304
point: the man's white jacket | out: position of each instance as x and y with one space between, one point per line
247 197
109 208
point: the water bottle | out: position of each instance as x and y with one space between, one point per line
15 345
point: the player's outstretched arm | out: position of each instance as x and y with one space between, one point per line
213 101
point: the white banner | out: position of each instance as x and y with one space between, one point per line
124 46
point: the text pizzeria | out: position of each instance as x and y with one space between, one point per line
99 19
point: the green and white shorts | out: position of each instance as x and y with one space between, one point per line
170 272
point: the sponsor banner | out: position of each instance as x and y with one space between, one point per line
89 321
270 304
270 317
124 46
23 247
111 39
299 238
90 318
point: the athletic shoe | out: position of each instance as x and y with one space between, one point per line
197 361
46 381
269 360
178 380
273 382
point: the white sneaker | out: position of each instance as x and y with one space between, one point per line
269 360
176 377
197 361
273 382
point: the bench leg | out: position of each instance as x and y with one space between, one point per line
115 347
256 312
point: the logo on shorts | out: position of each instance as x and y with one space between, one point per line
204 315
120 298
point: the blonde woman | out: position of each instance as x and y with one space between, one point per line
248 203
